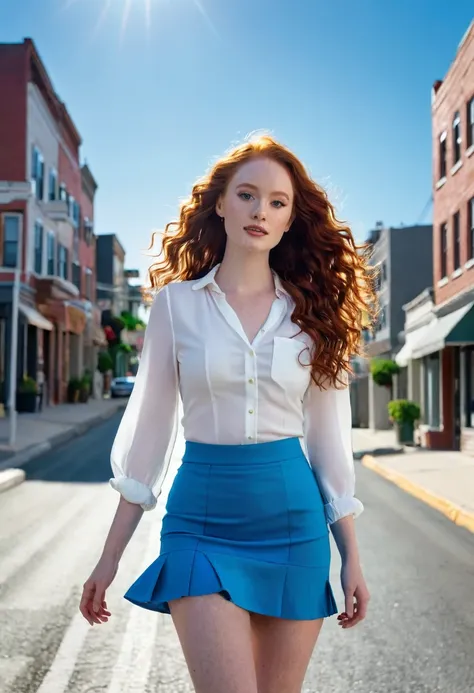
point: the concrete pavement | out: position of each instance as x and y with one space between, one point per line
444 480
418 636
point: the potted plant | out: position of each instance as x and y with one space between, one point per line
85 388
105 365
26 395
73 390
403 413
383 370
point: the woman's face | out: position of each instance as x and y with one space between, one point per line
258 205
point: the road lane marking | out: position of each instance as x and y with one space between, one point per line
24 551
62 668
132 667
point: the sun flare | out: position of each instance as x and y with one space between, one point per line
145 7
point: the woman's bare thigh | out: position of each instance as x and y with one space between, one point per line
216 639
282 651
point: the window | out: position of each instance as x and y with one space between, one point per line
468 382
76 214
444 249
456 138
470 122
11 236
53 184
88 230
76 275
432 390
89 284
442 156
457 240
38 247
62 262
470 222
70 206
63 192
37 173
382 319
51 250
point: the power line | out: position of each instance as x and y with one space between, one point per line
425 209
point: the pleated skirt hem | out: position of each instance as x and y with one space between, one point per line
270 589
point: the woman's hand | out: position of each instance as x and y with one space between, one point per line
93 605
356 594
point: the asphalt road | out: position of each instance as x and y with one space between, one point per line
418 638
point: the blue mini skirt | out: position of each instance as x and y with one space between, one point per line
246 522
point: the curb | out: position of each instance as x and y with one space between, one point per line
10 472
453 512
10 478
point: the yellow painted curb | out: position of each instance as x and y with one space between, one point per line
453 512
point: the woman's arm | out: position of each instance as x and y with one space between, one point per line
328 437
141 451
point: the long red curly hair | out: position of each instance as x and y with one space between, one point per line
327 275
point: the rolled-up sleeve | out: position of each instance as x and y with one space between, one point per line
144 442
328 440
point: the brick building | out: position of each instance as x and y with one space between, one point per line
444 343
41 194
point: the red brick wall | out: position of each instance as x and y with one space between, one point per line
453 95
13 90
87 252
69 172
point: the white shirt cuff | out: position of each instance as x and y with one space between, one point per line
342 507
134 491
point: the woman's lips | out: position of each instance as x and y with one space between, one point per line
256 230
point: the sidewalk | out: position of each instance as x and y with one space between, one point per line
37 433
444 480
365 441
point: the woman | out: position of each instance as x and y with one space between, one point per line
261 294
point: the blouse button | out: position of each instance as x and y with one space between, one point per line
250 411
251 352
250 437
251 381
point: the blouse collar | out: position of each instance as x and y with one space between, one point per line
209 280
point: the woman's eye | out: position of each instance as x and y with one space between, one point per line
277 204
245 195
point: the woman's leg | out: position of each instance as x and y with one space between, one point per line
216 638
282 650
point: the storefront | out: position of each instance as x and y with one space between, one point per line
33 330
63 354
446 351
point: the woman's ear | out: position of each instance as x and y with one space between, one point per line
220 207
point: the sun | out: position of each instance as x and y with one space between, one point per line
129 6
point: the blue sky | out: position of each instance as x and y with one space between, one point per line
159 88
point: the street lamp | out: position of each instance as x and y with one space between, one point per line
12 413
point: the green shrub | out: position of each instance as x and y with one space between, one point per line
403 411
383 370
27 385
105 362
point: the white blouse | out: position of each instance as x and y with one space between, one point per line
232 391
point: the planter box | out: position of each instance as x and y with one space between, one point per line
405 432
26 402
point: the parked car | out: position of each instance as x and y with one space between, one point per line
122 387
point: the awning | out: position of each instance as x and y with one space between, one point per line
456 328
35 318
412 339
